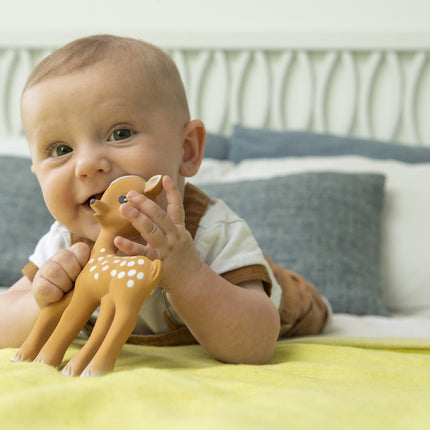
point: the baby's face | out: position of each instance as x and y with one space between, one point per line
88 128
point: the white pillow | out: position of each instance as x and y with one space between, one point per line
405 257
14 145
212 170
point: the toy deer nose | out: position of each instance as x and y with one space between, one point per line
98 206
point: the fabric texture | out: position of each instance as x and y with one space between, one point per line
325 226
24 217
260 143
310 383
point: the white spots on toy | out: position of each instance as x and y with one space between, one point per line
104 263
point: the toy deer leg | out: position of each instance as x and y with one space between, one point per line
104 320
105 358
127 303
42 329
71 323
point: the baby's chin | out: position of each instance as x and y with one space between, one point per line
88 235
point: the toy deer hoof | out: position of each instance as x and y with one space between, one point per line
91 373
68 371
18 357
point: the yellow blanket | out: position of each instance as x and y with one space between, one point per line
311 383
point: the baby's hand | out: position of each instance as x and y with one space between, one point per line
165 234
56 277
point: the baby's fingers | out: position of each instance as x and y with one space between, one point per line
71 262
149 219
81 252
58 274
45 292
129 247
175 207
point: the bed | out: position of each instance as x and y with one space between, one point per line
323 145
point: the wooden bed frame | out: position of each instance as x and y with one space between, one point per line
371 86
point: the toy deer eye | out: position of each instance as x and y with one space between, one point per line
122 199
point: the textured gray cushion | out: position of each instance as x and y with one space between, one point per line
260 143
24 217
325 226
217 146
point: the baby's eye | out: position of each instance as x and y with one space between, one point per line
60 150
120 134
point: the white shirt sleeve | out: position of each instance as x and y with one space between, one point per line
58 237
225 242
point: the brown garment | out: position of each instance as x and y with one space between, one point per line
302 311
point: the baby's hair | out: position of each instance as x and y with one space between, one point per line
88 51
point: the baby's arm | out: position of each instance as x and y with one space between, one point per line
235 324
18 313
20 305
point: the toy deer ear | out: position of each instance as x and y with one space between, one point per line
153 187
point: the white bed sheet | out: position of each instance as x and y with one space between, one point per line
398 326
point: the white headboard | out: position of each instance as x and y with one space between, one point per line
361 85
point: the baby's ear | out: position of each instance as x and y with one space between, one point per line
153 186
194 143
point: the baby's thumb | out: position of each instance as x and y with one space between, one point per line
81 251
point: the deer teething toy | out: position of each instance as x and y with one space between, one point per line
119 285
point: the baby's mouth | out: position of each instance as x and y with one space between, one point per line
90 201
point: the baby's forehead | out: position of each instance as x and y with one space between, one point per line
138 67
108 80
125 58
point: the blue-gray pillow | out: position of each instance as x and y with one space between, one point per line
325 226
24 217
260 143
217 146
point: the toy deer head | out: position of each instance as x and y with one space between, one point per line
119 285
107 214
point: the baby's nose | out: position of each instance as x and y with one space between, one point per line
91 160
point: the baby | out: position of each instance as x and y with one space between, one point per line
103 107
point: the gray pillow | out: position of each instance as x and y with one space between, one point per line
325 226
217 146
260 143
24 217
